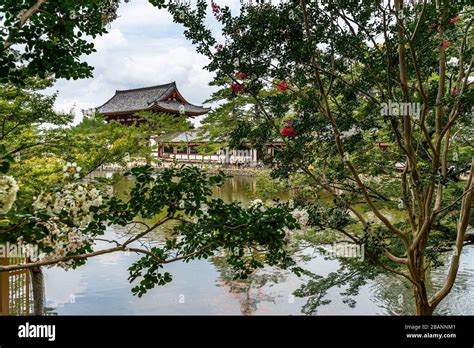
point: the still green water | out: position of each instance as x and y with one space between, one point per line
206 287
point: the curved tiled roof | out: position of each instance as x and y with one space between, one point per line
173 106
149 98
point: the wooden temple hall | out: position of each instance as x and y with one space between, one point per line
125 104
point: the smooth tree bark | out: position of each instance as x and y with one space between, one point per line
37 280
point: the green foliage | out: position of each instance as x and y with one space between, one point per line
164 124
95 142
44 38
267 187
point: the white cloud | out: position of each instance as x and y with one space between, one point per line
113 40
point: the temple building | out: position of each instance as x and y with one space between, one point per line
184 147
124 105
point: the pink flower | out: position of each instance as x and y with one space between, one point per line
434 25
282 86
445 43
455 92
288 132
219 47
454 19
215 8
241 75
237 87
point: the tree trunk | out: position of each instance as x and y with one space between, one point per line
37 280
423 307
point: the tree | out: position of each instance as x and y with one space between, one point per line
235 123
43 38
22 110
375 86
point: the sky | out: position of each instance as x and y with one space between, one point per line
143 48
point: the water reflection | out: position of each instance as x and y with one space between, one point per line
207 287
395 294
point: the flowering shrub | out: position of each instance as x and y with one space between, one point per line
282 86
256 203
71 210
71 170
8 190
288 132
73 200
215 8
301 216
237 88
63 240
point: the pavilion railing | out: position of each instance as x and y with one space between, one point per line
15 289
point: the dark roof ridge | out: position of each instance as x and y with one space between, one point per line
145 88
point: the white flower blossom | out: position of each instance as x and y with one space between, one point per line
71 170
270 204
66 240
256 202
453 61
8 190
75 198
301 216
204 208
291 204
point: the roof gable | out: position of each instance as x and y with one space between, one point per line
164 98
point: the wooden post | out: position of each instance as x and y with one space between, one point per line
4 288
27 292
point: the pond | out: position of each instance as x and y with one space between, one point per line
205 287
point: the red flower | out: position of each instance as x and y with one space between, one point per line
215 8
237 87
219 47
282 86
241 75
288 132
445 44
454 19
455 92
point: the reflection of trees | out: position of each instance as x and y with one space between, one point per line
237 188
249 292
394 295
